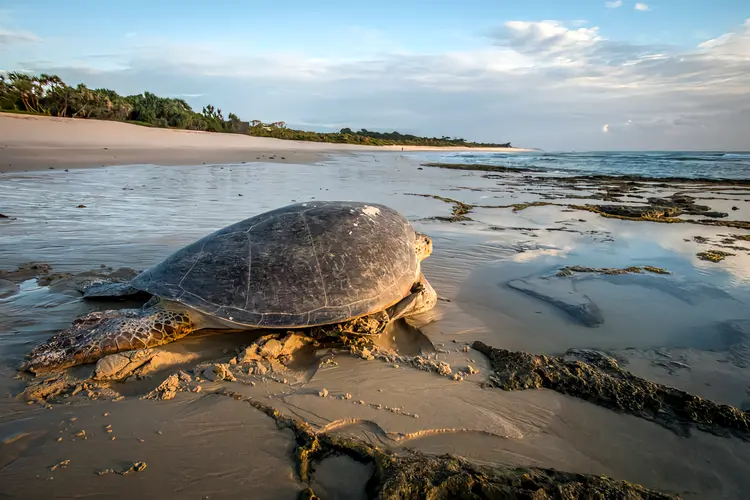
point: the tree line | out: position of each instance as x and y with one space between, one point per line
49 95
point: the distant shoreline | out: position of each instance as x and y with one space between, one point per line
33 142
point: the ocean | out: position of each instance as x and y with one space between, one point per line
690 164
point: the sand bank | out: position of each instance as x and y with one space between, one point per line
39 142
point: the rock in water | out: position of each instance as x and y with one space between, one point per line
7 288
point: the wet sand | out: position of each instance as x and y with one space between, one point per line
669 329
30 142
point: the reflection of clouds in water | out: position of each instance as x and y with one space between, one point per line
671 238
548 251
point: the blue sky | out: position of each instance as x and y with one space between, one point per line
587 74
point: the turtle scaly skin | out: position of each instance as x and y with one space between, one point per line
101 333
160 322
317 265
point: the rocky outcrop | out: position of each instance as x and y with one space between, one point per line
414 475
597 378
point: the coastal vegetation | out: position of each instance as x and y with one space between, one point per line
49 95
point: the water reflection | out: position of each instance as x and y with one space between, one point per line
136 215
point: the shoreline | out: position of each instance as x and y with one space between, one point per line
532 292
31 142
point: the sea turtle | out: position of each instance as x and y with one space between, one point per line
303 265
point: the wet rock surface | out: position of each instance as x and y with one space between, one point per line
482 167
458 213
610 188
598 378
7 288
571 270
420 476
26 271
714 255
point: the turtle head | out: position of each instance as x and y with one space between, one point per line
422 245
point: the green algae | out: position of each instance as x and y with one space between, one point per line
714 255
517 207
623 212
459 211
597 378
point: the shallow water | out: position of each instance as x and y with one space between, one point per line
692 164
134 216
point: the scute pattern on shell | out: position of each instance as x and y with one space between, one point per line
305 264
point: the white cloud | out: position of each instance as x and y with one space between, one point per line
614 5
641 6
539 84
8 37
735 45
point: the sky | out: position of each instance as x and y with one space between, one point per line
553 74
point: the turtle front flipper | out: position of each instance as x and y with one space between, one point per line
99 334
421 299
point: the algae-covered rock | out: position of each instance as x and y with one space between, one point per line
598 378
714 255
415 475
570 270
459 211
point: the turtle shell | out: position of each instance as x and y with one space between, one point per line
305 264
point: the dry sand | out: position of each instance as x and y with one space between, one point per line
37 142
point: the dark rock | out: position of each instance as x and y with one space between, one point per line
482 167
7 288
714 255
414 475
598 379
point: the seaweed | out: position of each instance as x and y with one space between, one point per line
714 255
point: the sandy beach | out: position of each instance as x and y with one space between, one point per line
30 142
579 328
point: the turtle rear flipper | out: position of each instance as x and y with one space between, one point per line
101 333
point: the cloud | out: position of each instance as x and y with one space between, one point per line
641 6
734 45
8 37
554 43
540 84
614 5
